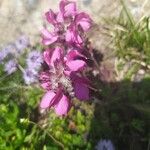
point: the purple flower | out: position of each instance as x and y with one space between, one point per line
63 79
3 55
69 62
34 59
69 25
9 49
10 67
105 145
60 82
30 76
21 43
67 10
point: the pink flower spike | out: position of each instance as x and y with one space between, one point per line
63 106
51 17
47 100
84 21
76 65
64 59
48 37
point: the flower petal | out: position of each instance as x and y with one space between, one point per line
73 37
76 65
46 85
57 54
46 33
51 55
48 37
84 21
51 17
47 100
73 54
67 8
81 91
70 9
63 106
60 17
45 80
47 56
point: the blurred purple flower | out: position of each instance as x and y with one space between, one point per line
34 59
9 49
2 55
105 145
21 43
10 66
30 76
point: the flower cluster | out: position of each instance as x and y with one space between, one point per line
69 26
11 55
14 49
33 65
63 78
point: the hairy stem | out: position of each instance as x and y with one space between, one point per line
53 138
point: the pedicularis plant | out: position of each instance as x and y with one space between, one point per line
65 57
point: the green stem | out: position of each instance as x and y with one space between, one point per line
2 78
127 12
12 87
55 140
